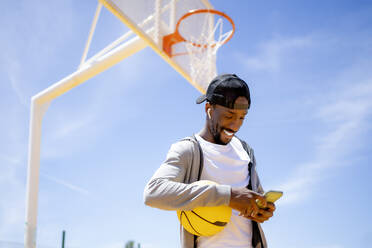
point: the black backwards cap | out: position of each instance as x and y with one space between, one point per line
224 90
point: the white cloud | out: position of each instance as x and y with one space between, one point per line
9 159
272 53
343 113
14 82
69 127
67 184
345 116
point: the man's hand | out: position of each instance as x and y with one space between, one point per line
264 213
244 200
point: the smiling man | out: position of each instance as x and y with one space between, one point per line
215 154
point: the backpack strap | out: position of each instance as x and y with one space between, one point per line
248 150
256 236
201 158
199 172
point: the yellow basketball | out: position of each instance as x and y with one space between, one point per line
205 221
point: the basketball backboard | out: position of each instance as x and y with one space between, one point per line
152 20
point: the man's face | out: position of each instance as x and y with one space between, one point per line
225 122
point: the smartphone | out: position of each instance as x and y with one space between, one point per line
271 196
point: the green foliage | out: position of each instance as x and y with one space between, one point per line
131 243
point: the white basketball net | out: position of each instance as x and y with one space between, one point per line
203 58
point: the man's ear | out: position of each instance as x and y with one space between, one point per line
208 107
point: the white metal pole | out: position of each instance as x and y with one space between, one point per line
37 112
157 21
109 47
92 28
172 15
38 106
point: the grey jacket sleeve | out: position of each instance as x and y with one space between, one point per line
168 190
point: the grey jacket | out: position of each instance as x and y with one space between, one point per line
170 188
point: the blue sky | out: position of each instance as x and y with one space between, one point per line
308 64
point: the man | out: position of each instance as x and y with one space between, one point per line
215 154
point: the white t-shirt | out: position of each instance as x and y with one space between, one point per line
227 164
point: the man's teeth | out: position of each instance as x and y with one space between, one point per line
228 133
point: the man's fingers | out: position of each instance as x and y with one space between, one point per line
271 206
263 216
255 208
261 200
243 212
260 217
265 213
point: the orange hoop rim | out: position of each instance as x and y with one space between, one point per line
199 11
176 37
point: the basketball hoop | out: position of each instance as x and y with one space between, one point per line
204 31
177 37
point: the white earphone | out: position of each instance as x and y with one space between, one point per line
209 113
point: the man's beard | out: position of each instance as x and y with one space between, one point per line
216 133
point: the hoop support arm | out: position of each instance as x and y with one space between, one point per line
90 70
39 104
